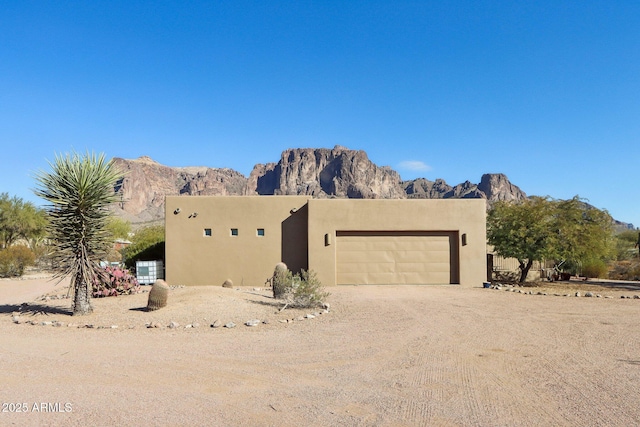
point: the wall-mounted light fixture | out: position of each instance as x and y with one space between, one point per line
327 239
464 239
293 210
193 215
177 211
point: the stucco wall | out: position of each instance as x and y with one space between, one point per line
294 232
465 216
247 259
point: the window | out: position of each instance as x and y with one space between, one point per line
260 232
234 231
207 232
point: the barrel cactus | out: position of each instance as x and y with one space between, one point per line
280 280
158 295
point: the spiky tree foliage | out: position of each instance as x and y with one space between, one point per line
79 189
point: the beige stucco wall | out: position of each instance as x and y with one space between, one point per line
295 229
247 259
463 216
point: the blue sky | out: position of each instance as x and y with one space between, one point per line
546 92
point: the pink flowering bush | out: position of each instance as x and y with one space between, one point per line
115 281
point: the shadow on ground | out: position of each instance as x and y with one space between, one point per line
34 309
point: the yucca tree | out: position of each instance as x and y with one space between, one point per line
79 189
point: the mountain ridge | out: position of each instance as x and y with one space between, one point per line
318 172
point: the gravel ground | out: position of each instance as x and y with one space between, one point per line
382 356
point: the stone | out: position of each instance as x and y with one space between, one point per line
578 294
16 319
173 325
230 325
588 294
196 325
216 324
309 316
227 283
254 322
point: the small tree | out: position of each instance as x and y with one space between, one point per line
19 220
79 190
540 228
522 230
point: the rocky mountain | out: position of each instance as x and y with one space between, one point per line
146 183
321 172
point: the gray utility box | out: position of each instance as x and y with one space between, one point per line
147 272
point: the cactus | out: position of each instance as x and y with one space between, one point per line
281 279
158 295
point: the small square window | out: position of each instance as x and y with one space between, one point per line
207 232
260 232
234 231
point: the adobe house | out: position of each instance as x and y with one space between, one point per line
210 239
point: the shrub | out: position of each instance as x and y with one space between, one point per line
625 270
595 268
147 245
115 281
300 290
14 259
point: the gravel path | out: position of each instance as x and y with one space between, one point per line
382 356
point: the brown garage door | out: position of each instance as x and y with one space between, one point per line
401 257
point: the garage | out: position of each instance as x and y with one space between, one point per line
396 257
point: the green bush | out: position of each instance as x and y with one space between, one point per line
146 245
595 268
300 290
14 259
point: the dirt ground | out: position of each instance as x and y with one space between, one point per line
382 356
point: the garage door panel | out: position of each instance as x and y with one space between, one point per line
354 256
394 258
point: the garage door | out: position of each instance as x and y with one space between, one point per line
407 257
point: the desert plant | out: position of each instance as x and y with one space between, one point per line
79 190
595 268
14 259
302 290
115 281
625 270
158 295
281 280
